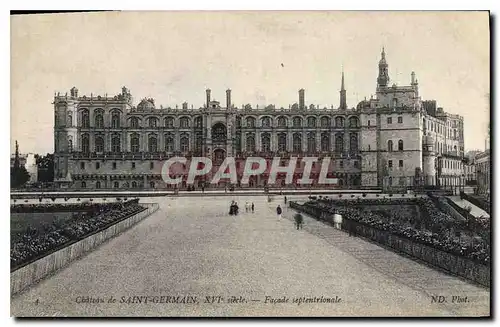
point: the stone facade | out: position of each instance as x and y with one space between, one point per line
392 139
483 172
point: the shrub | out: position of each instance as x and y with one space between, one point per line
378 195
364 195
390 195
53 199
340 195
78 199
26 201
352 195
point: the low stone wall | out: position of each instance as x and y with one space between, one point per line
457 265
478 202
36 271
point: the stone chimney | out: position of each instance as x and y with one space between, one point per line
301 99
208 97
228 98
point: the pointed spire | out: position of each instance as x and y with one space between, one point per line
342 88
383 52
343 100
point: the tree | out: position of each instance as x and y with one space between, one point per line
18 173
45 166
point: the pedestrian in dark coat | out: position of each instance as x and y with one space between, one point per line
253 207
298 220
278 212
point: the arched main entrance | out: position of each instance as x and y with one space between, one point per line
218 157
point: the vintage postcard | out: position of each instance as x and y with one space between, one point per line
250 164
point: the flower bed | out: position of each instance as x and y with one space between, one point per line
34 244
434 229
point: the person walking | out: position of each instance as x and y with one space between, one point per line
279 211
298 220
253 208
285 199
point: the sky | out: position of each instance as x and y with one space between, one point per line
174 56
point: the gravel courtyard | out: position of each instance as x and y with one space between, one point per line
193 253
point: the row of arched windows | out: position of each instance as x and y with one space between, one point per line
390 145
297 145
134 122
185 122
282 121
135 143
169 143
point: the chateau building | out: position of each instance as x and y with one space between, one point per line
394 139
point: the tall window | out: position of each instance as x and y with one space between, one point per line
282 142
353 143
70 145
69 122
98 119
297 122
281 122
134 143
400 145
115 120
266 142
297 142
325 122
311 142
339 122
353 122
389 146
219 133
84 185
266 122
184 122
339 143
99 144
153 122
169 122
116 184
237 142
325 142
169 143
198 142
250 122
115 144
198 122
97 184
238 122
250 143
389 120
134 122
311 122
85 144
184 144
152 144
85 118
